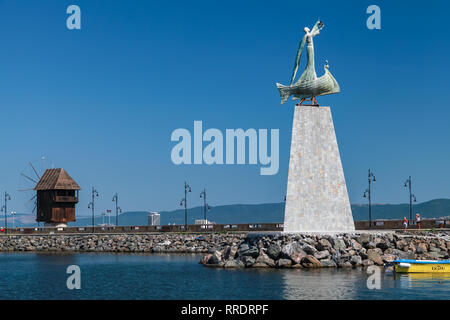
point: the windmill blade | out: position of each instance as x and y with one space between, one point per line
22 190
31 179
34 208
34 197
35 172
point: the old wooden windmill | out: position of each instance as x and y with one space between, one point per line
56 196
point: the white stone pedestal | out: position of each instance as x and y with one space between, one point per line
316 198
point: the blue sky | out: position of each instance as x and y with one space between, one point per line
103 101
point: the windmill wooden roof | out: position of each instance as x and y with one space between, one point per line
56 179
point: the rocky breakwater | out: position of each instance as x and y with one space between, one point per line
320 251
155 243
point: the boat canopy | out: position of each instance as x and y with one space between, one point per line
422 261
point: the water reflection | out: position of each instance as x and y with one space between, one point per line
422 280
345 284
320 284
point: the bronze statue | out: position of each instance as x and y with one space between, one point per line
308 85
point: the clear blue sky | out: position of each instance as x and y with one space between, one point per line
102 102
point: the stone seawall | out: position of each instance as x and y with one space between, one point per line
317 251
239 250
157 243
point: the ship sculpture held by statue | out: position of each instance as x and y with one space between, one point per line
309 86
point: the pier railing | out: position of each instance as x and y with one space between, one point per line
241 227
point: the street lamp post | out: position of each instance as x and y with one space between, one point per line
367 194
187 188
205 205
91 205
412 197
116 200
5 210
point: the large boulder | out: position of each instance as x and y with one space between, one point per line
214 258
324 254
310 262
283 263
242 248
381 243
404 255
328 263
274 251
294 251
356 261
356 245
309 249
364 239
375 257
234 263
263 260
247 260
246 250
230 252
421 248
401 244
338 243
370 245
367 263
324 244
388 257
205 258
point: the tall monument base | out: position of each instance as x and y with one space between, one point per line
316 198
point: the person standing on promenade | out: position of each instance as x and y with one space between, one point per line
418 220
405 223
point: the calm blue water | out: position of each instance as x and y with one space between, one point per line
129 276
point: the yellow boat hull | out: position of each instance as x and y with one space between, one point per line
423 268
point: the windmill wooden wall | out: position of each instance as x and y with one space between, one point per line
57 194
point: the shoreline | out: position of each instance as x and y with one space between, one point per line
251 250
330 250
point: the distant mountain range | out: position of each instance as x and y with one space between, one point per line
254 213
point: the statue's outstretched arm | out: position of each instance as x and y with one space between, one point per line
317 27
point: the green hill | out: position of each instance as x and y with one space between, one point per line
259 213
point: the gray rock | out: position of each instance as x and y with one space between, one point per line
339 244
328 263
356 261
274 251
248 260
309 249
311 262
324 244
293 251
356 245
214 258
252 252
284 263
375 257
264 260
364 239
234 263
324 254
367 263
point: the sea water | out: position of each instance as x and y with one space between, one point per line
180 276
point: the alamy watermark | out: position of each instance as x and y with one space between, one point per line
374 20
74 280
235 140
374 280
74 20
